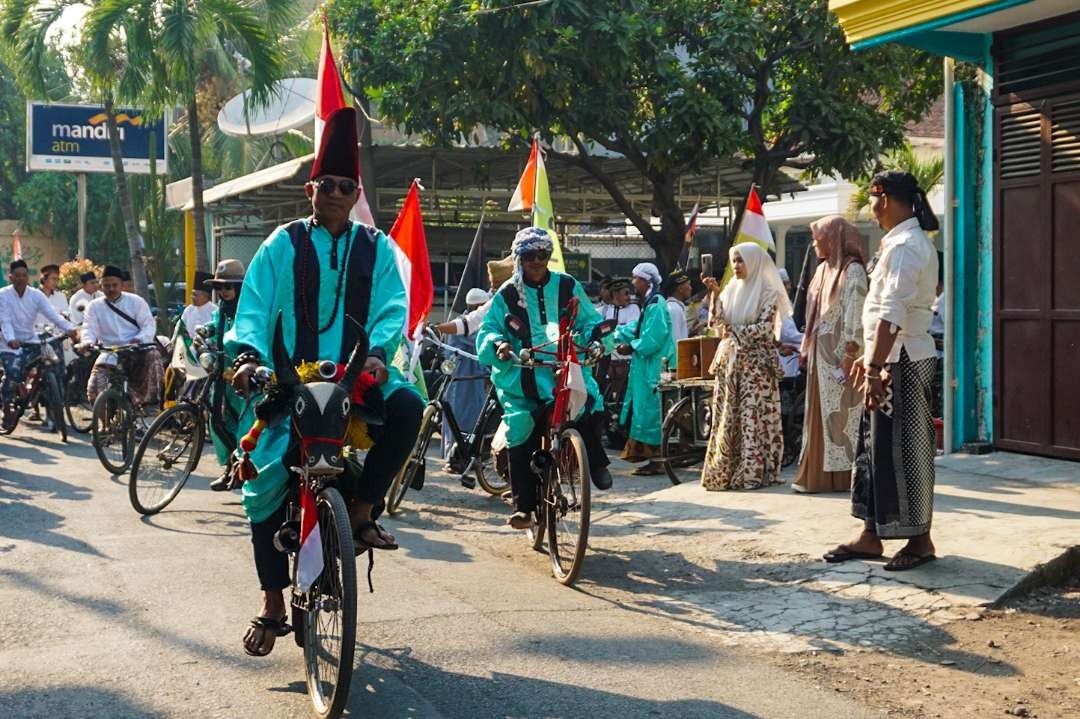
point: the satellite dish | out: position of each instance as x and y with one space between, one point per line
292 106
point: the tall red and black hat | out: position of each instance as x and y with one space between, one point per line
339 153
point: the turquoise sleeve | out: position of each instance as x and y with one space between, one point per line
388 310
655 330
251 330
492 331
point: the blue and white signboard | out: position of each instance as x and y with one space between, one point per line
75 138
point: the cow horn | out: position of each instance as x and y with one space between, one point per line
357 360
283 366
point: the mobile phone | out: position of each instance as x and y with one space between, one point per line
839 375
706 265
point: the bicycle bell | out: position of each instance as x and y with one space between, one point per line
449 365
525 355
208 361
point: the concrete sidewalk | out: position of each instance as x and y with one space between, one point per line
997 517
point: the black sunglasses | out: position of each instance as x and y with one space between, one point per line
327 185
536 256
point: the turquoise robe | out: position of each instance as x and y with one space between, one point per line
268 289
507 377
651 344
231 404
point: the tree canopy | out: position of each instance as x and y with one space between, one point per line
669 84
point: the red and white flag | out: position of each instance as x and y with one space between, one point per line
412 260
310 561
330 97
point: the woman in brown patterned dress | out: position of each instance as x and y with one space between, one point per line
832 341
746 442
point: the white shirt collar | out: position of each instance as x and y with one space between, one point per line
907 225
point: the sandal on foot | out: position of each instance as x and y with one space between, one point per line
520 520
844 553
268 624
384 538
905 560
651 469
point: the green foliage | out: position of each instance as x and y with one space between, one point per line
669 84
929 173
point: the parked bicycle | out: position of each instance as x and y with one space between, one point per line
472 449
561 463
41 385
116 418
173 445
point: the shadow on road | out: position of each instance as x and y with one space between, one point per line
26 521
384 680
206 522
71 701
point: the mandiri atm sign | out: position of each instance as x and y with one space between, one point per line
75 138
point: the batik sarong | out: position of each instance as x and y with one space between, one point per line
892 481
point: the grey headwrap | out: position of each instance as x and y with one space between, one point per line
648 271
530 239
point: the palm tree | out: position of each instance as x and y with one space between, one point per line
166 43
25 26
929 173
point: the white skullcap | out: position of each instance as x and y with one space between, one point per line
648 272
476 296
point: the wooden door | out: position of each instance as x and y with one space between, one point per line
1037 277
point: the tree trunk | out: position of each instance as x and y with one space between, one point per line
131 225
198 211
672 222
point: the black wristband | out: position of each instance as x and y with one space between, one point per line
876 366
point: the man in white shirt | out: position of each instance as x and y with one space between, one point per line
121 318
893 478
83 296
678 292
201 310
20 306
50 278
499 271
613 371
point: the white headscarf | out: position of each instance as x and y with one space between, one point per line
648 271
742 300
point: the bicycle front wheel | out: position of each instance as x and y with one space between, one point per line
414 463
113 430
330 616
488 474
79 409
566 506
165 458
55 408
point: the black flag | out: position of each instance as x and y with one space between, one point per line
475 274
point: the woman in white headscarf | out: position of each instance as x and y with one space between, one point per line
746 442
647 342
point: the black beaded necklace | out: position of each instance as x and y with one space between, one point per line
310 246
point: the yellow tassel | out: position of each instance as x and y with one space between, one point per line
356 435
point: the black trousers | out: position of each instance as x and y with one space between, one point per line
524 482
393 442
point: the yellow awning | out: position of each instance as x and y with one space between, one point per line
866 19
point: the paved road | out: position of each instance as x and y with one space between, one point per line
106 614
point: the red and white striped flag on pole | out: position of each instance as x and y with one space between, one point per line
411 254
310 562
330 97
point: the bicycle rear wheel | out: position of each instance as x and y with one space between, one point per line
400 486
79 409
677 445
165 458
566 506
55 405
113 430
330 615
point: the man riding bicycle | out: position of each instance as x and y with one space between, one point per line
535 297
326 276
122 318
20 306
225 406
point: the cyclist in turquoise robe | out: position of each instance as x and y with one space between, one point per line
649 342
536 295
324 276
